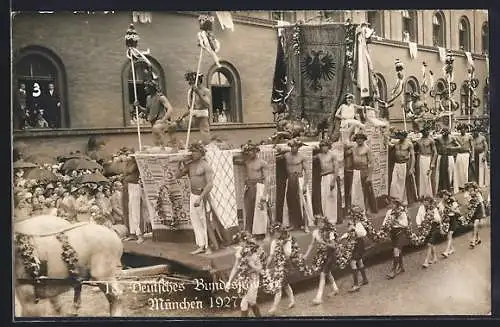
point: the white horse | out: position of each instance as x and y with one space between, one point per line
98 250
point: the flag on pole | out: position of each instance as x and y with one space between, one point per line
469 58
225 20
413 49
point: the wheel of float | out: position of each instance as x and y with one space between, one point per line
424 88
475 83
476 103
453 86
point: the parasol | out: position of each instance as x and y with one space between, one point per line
80 164
91 178
21 164
42 175
41 159
77 155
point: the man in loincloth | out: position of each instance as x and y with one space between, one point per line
480 163
251 252
396 221
403 173
296 187
427 156
446 145
360 191
256 186
159 111
464 155
328 167
201 177
349 116
201 107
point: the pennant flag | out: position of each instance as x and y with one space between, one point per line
469 58
225 20
279 81
413 49
442 54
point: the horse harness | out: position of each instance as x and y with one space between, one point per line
38 269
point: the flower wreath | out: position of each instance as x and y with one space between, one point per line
24 246
320 257
243 269
418 237
68 255
472 206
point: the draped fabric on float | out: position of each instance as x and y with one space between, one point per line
279 84
318 71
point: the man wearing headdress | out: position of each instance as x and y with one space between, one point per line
480 164
359 191
328 167
296 187
159 111
404 166
427 156
464 155
202 104
396 222
256 186
201 177
349 116
446 145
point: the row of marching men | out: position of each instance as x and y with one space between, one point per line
254 269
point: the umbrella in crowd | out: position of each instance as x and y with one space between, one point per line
91 178
42 175
41 159
76 155
80 164
21 164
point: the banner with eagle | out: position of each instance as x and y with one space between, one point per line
316 76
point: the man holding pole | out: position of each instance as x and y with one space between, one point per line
404 167
199 104
159 111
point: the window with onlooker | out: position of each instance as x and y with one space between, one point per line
225 87
39 90
485 38
410 25
464 34
375 19
438 29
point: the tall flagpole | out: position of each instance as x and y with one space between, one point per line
193 98
135 100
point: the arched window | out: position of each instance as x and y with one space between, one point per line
141 75
464 34
382 92
225 87
410 25
466 100
438 29
39 89
411 90
485 37
375 19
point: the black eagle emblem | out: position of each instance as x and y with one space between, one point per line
317 66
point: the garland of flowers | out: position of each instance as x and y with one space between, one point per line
472 207
349 40
385 232
418 238
296 42
345 249
68 255
367 224
244 270
31 263
272 279
320 257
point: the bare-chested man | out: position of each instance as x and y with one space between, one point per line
256 186
159 111
427 155
404 167
361 158
480 163
446 145
202 105
297 200
328 166
464 155
201 178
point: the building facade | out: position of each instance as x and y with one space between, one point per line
83 55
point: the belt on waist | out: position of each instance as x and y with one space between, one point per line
295 174
196 190
254 181
401 162
326 174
